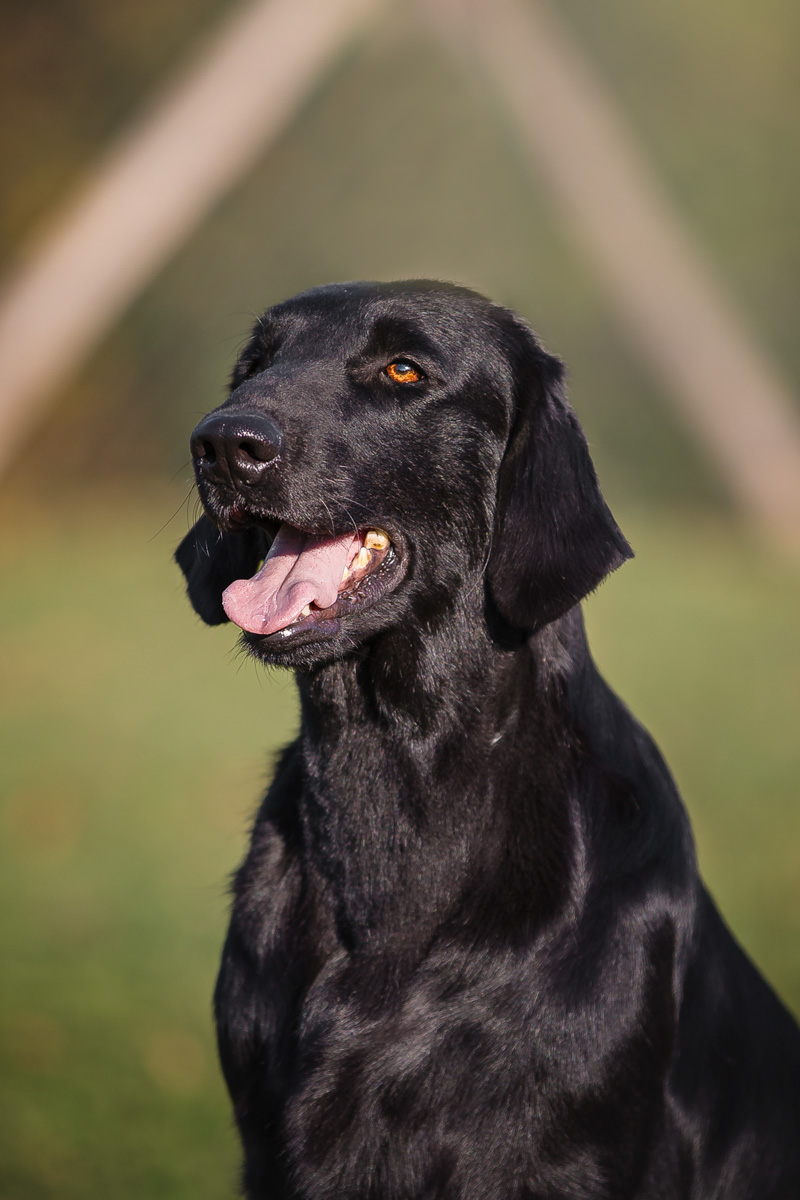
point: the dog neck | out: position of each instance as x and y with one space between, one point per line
411 798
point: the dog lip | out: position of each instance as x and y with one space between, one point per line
240 516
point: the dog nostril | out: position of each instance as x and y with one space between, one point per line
256 451
204 451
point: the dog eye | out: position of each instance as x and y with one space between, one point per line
403 372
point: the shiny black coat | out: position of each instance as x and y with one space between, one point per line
470 956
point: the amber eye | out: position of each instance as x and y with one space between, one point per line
403 372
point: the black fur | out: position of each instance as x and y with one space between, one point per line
210 561
470 956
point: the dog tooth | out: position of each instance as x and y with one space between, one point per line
362 559
306 612
376 539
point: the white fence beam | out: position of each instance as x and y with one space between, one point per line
673 310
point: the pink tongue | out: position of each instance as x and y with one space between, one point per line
299 570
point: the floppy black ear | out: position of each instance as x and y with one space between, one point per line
554 536
211 561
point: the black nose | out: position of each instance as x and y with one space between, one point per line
235 447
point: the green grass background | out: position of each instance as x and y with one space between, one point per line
135 743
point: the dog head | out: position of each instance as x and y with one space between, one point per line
382 446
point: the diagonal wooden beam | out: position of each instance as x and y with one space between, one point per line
675 313
154 188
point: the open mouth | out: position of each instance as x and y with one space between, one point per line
309 579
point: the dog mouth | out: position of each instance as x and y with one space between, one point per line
312 580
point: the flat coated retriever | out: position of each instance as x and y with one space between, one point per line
470 955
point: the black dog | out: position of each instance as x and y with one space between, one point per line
470 956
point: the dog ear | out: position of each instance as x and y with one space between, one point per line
211 560
554 537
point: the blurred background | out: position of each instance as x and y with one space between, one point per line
135 741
